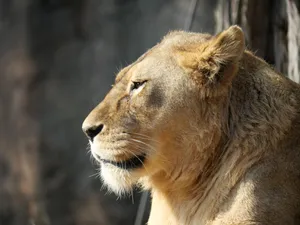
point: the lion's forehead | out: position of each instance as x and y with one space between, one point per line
181 38
144 69
154 56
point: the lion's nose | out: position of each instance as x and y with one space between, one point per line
92 131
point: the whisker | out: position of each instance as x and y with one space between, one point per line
93 159
143 136
144 143
102 186
96 175
152 149
129 151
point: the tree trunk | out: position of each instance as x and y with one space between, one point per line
271 28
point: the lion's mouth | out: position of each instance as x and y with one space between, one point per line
132 163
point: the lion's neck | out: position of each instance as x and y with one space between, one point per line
182 187
202 175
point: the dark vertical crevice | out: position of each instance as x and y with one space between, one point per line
261 33
269 48
239 13
229 5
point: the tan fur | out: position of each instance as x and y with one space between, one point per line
219 127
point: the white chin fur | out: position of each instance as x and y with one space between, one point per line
117 180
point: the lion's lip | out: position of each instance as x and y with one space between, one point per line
132 163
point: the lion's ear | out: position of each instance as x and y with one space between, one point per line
214 60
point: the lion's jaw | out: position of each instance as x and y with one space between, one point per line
183 146
116 179
119 169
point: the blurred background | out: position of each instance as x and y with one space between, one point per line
58 58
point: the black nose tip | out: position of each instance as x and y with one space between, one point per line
93 131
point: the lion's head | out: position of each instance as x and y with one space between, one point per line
172 95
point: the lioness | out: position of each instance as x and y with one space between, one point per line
212 130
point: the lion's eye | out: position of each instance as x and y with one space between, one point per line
136 85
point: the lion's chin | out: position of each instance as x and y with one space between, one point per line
117 180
